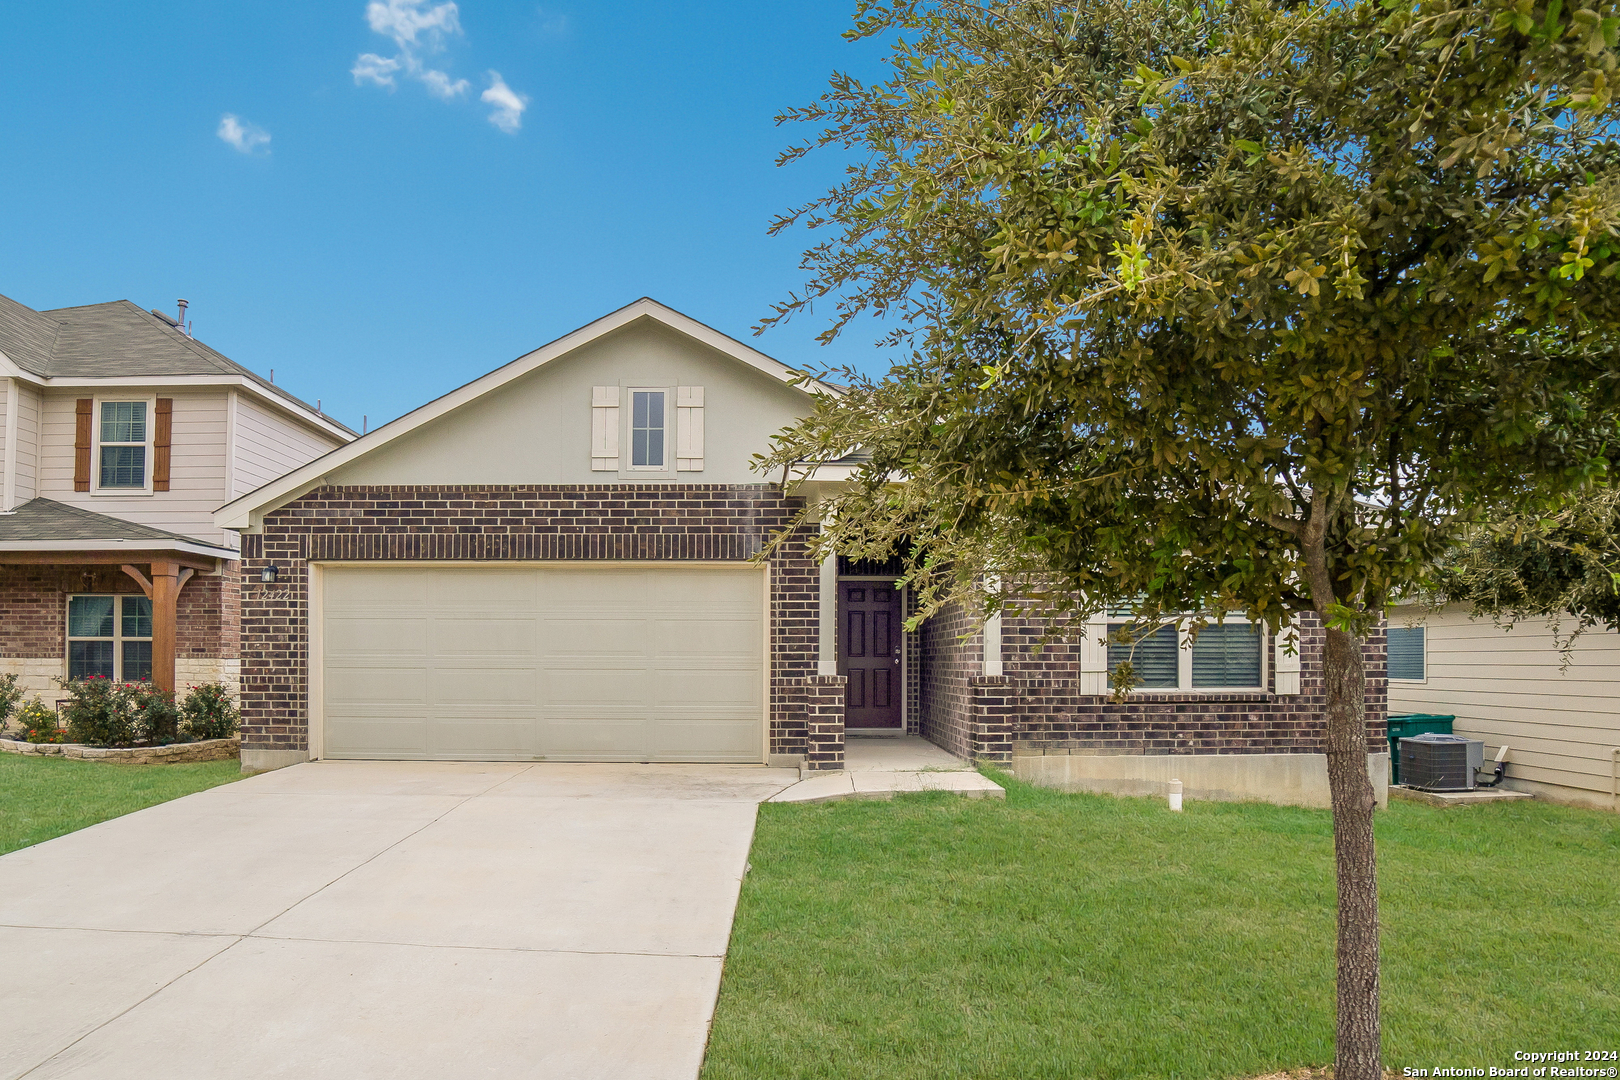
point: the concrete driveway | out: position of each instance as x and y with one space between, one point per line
384 919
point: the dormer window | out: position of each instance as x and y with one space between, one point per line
647 429
122 450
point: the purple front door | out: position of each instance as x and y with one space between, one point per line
869 653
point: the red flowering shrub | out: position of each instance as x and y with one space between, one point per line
208 713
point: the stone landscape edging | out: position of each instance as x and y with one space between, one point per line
173 754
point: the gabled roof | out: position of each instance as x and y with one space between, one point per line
118 340
246 512
47 525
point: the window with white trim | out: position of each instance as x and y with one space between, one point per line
110 637
123 441
1225 656
1405 653
647 429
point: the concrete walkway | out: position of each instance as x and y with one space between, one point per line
383 919
879 767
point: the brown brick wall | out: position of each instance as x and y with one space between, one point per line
1052 714
914 669
1037 704
518 522
33 609
824 697
945 691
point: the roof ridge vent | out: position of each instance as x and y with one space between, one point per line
166 318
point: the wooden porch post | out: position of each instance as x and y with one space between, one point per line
165 617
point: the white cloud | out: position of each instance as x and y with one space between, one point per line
242 135
403 20
419 30
440 85
509 105
377 69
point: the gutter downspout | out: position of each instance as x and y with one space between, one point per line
1614 776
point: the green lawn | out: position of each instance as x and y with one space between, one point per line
1081 936
45 797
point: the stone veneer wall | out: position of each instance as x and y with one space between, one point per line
1037 707
33 622
449 523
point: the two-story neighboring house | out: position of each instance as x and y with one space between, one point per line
119 436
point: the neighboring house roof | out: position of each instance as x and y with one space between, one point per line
47 525
245 512
119 341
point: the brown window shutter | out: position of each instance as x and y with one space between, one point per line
81 445
161 439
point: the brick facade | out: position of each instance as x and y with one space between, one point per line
522 523
824 722
1037 705
1034 705
949 663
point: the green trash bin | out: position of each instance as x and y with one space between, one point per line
1404 726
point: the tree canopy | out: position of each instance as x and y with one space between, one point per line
1189 289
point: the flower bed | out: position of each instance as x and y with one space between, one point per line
134 723
172 754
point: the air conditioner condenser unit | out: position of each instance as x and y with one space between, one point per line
1434 762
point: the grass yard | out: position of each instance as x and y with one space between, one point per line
41 798
1081 936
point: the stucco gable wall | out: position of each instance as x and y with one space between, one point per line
537 429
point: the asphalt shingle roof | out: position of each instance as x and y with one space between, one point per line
47 519
111 341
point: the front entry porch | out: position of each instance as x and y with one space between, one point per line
881 766
86 595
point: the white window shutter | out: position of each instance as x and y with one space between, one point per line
689 429
604 429
1094 659
1285 667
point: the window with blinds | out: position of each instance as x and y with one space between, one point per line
1226 655
1154 656
1405 645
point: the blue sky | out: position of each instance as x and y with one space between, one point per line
530 168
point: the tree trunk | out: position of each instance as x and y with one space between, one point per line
1356 1044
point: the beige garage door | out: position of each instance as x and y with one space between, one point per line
543 663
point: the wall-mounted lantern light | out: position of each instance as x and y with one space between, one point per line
268 574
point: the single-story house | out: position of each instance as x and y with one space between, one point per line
120 434
557 562
1511 687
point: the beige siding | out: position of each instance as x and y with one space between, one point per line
537 429
269 444
197 465
1507 687
26 476
6 459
